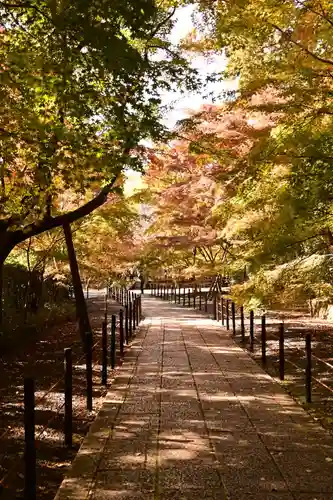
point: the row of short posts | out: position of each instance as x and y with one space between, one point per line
180 295
227 311
128 323
224 311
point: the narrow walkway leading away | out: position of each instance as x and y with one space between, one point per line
192 416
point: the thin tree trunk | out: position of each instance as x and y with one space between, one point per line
1 293
329 239
80 303
4 252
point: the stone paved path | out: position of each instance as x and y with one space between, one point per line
192 416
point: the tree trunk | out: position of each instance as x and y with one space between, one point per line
1 293
4 252
329 239
80 303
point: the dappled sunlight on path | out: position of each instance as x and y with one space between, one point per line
192 416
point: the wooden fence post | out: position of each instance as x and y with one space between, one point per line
68 417
130 331
121 332
308 368
104 354
263 339
134 314
233 317
242 322
227 313
113 342
89 344
221 308
30 486
126 324
251 329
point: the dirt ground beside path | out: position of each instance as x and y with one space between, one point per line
296 326
44 361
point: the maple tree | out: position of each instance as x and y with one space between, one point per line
81 84
219 187
184 187
281 55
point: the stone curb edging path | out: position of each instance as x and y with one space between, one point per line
192 416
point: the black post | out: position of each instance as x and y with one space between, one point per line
214 307
104 354
251 328
137 310
130 331
113 342
126 323
281 351
194 298
200 298
222 310
68 420
189 298
121 332
227 313
233 317
242 322
29 440
206 302
308 368
184 297
134 314
263 339
89 343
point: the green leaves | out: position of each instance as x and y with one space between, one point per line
81 89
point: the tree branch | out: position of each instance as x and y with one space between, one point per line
322 14
162 23
52 222
322 234
203 253
301 46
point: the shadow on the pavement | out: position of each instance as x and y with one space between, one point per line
213 426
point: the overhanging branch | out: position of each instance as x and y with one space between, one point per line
52 222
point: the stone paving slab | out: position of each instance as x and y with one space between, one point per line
191 416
